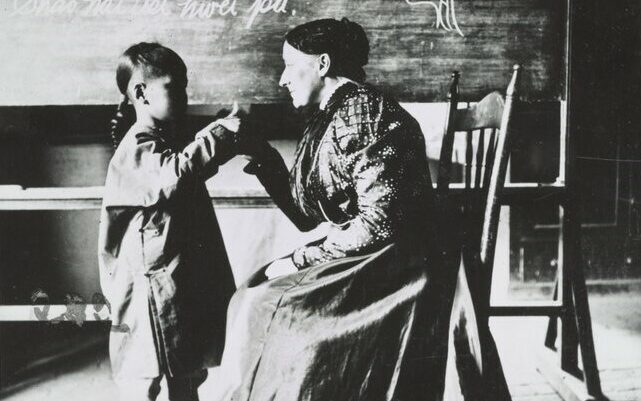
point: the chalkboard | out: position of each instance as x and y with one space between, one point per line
65 51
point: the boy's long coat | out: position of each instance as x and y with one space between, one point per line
163 265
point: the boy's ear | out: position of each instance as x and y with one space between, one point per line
324 62
139 91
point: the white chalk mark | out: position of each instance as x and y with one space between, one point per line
445 13
206 9
263 7
198 9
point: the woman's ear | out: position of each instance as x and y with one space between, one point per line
324 62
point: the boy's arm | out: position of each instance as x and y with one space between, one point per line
159 170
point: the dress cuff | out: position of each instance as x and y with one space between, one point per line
252 167
265 157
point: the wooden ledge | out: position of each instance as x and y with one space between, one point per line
14 197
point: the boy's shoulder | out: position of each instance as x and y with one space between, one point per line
139 139
140 134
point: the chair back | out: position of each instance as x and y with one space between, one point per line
487 127
473 367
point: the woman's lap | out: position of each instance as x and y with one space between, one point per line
341 330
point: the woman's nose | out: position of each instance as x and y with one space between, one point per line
283 82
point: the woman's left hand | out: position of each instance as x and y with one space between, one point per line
280 267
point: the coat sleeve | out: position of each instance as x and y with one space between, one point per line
377 158
270 169
147 170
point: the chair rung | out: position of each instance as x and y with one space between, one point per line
526 309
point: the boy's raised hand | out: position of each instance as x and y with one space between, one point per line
232 121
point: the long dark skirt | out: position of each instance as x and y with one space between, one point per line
372 327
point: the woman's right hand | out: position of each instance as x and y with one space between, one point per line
280 267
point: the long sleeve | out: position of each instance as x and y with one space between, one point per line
145 170
378 160
270 169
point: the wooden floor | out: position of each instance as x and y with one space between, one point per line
518 339
618 356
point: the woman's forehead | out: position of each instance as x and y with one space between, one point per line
292 54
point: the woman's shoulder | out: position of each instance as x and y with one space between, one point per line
363 103
366 113
357 109
359 100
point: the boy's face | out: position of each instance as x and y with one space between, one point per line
166 98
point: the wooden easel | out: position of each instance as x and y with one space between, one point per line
559 362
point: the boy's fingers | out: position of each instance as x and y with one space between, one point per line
234 110
211 126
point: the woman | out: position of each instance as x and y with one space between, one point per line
355 315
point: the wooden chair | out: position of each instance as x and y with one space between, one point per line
473 363
490 120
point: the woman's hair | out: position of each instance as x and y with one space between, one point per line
345 42
154 60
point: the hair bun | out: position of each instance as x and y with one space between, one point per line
355 42
345 41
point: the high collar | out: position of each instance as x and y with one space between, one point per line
328 96
164 134
149 127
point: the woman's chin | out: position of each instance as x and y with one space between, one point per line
299 104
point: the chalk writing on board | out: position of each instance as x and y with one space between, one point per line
91 8
445 13
199 9
188 9
265 6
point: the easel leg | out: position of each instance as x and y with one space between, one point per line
586 342
575 328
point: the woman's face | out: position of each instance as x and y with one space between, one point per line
301 76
